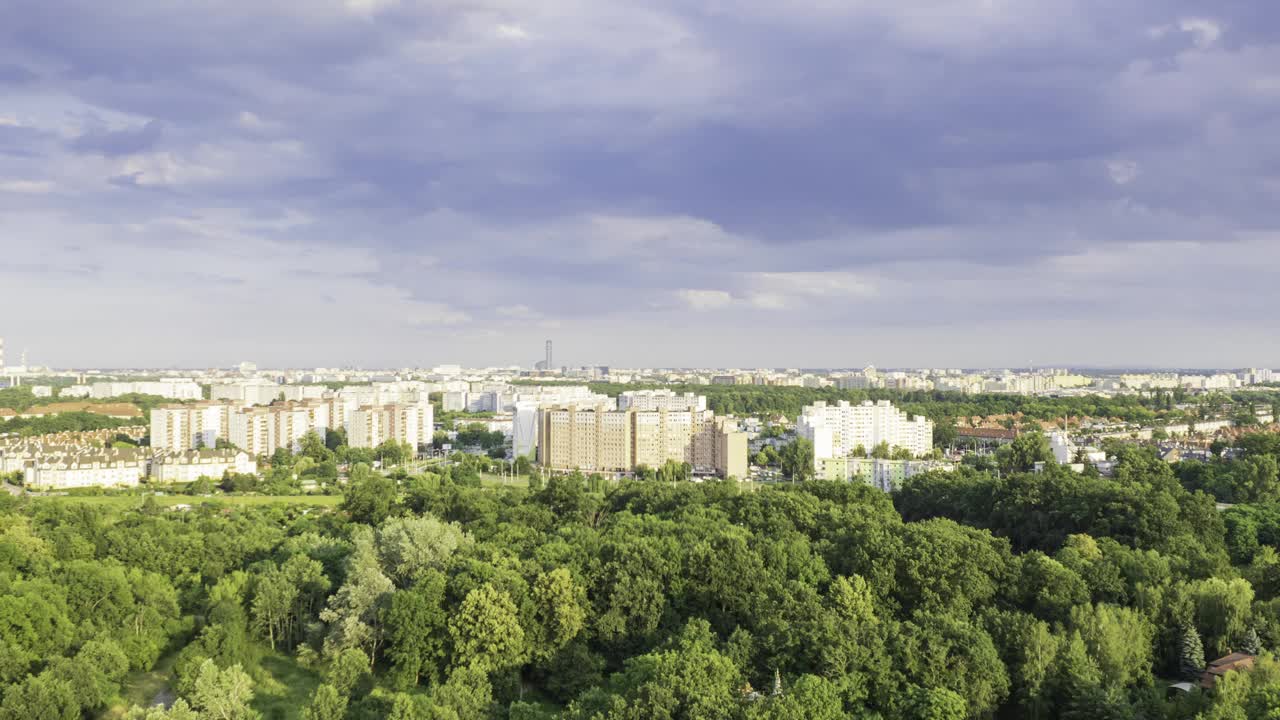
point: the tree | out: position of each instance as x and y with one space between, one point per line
797 460
40 697
368 496
935 704
311 446
1119 640
391 452
410 546
881 451
1024 452
467 693
326 704
416 629
223 694
1251 643
274 599
347 670
486 631
1190 652
353 611
558 610
1222 610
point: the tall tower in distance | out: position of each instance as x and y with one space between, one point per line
1 353
549 365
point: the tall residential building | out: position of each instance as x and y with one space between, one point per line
837 431
262 430
409 423
550 365
599 438
524 429
185 427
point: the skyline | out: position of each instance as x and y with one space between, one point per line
385 183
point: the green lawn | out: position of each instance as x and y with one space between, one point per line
496 480
284 688
141 688
123 502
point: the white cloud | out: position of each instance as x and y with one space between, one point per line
1123 172
29 187
432 314
511 32
516 311
820 284
703 300
1204 32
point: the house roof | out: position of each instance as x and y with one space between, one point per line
1224 665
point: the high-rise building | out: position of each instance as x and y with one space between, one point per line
409 423
550 365
837 431
262 430
599 438
1 353
185 427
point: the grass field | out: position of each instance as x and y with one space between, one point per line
284 688
494 480
142 688
123 502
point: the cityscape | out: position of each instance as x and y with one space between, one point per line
594 360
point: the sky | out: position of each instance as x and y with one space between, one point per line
810 183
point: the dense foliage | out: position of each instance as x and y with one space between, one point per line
967 595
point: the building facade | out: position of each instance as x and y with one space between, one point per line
837 431
600 438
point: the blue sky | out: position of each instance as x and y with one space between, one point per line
748 183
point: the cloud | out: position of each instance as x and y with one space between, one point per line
465 175
34 187
702 300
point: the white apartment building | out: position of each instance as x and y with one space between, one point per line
254 391
90 468
661 400
177 389
836 431
524 429
884 475
75 391
297 393
191 465
409 423
175 428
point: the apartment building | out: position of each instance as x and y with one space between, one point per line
409 423
175 428
88 468
261 430
191 465
599 438
661 400
176 389
255 391
838 430
882 474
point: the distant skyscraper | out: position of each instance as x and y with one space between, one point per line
1 353
550 365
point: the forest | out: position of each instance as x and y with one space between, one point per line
966 595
